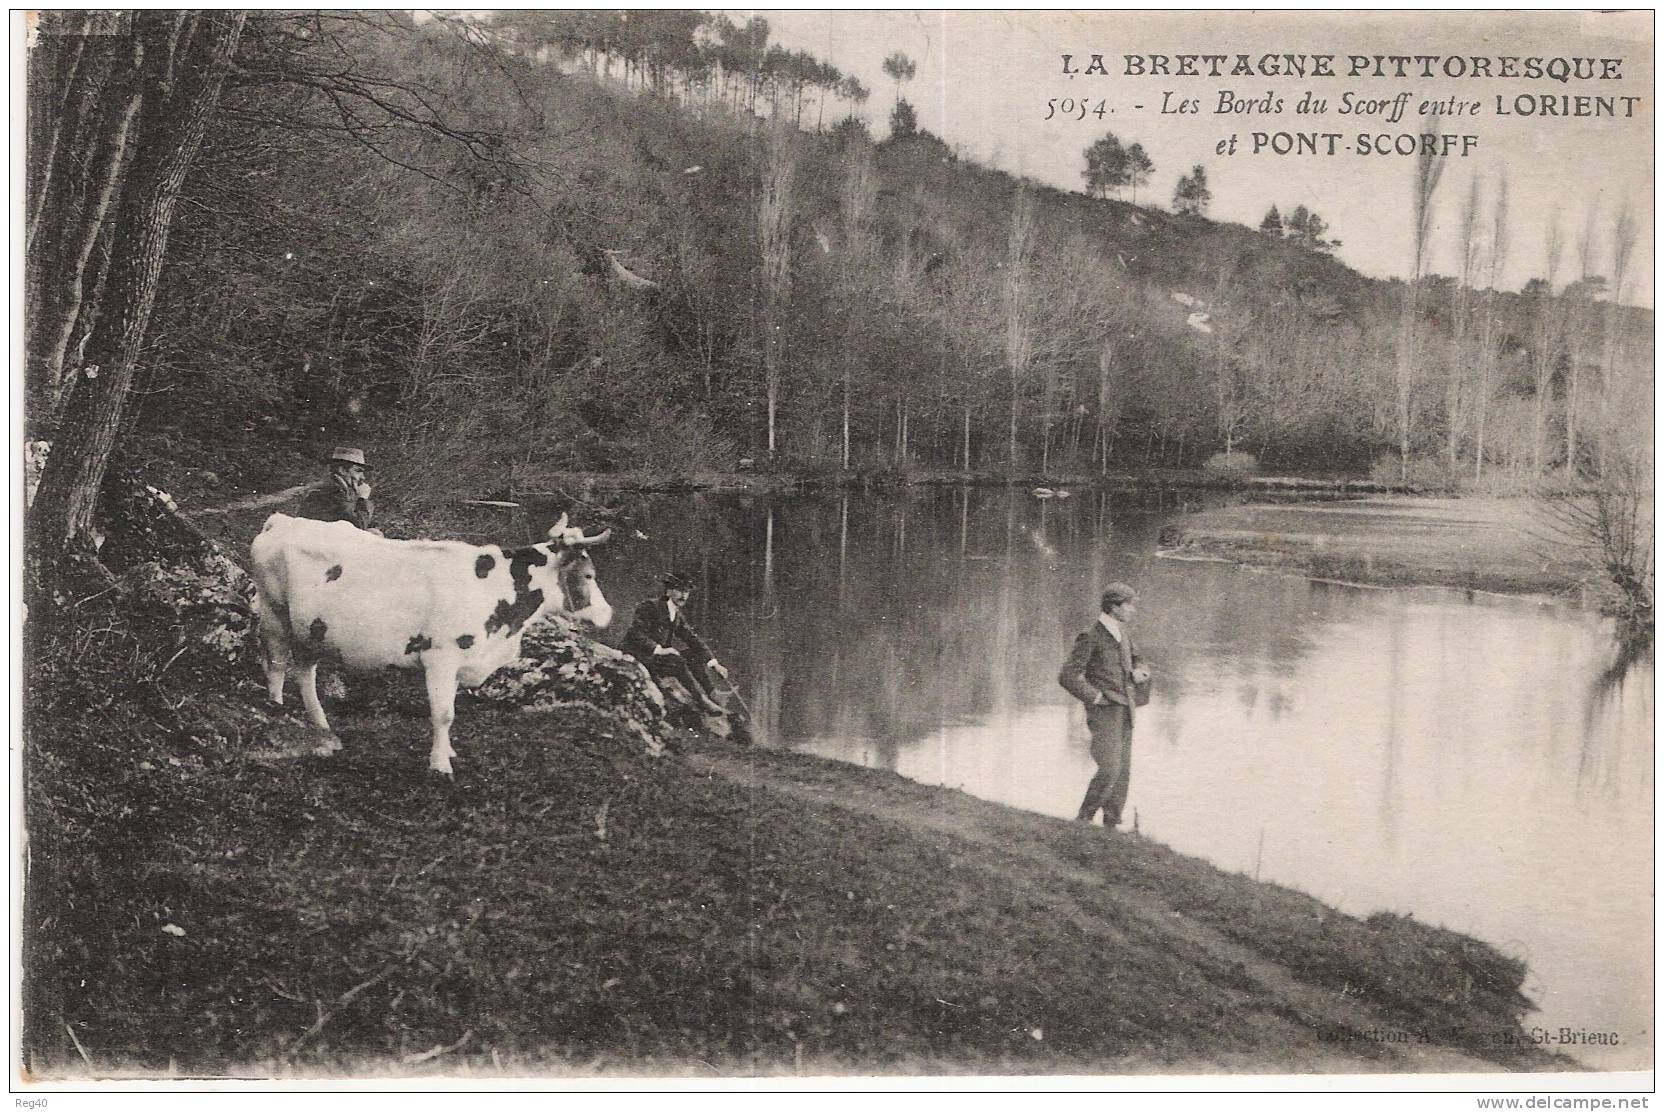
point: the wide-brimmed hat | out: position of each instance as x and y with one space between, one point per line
1117 593
675 582
348 455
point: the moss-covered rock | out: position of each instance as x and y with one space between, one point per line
559 668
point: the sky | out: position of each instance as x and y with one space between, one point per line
985 78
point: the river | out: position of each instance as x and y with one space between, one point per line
1475 761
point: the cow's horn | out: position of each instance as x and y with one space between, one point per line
602 537
558 529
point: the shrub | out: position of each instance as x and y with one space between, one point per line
1426 474
665 442
1231 463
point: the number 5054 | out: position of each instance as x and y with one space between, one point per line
1068 108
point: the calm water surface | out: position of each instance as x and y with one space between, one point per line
1477 762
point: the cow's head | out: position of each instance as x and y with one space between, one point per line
580 592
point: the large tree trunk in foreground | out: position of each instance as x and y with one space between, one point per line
185 57
89 80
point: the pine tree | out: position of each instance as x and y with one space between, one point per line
903 121
1139 168
1106 166
1192 195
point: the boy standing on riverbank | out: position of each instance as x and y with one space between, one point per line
1105 672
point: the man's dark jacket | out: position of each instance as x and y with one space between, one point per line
1100 664
334 502
653 627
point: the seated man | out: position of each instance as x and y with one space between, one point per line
659 623
346 496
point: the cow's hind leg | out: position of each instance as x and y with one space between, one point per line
307 677
441 682
276 672
274 640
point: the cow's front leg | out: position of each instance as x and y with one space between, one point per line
307 678
441 680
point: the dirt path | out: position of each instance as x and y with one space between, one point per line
255 502
1317 1007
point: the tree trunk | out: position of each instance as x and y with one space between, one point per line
1453 385
86 321
774 215
1482 394
1576 345
1406 341
185 59
1011 446
773 401
846 422
75 200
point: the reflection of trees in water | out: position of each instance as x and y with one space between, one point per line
883 617
1612 693
1396 693
1279 705
1170 725
959 616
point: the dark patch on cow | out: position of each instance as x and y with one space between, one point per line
521 561
512 613
332 574
466 641
483 566
319 629
418 643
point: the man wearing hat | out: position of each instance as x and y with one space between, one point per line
661 622
346 496
1105 672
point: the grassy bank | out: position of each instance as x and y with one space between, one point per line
205 897
212 901
1488 544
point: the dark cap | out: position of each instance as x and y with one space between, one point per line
1117 593
674 582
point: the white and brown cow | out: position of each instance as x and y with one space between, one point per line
330 591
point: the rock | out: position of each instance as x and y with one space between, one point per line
184 578
34 462
558 667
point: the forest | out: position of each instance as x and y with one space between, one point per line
654 241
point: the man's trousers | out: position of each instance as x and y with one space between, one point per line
1111 727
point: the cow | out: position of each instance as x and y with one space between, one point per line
330 591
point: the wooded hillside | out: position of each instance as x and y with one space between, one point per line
652 241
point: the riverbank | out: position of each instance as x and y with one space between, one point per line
246 476
572 905
1482 544
206 898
